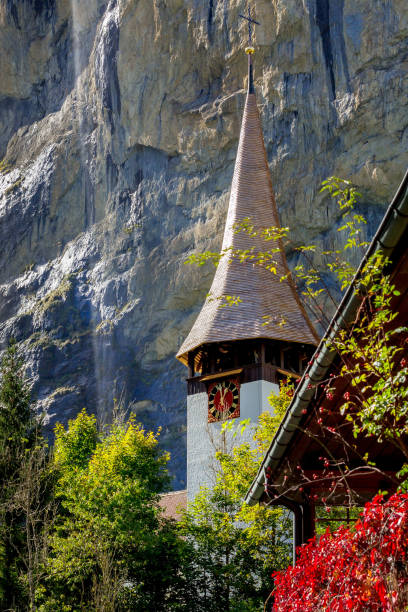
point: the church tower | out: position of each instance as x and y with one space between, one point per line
237 354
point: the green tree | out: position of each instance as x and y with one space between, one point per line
16 417
19 437
238 547
111 548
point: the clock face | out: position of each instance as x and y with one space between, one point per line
223 400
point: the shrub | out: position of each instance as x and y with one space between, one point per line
363 568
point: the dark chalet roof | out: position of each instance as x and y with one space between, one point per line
292 443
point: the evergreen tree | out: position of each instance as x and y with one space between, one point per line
17 430
16 417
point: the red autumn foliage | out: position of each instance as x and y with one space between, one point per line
363 568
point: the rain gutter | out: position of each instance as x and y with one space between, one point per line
386 239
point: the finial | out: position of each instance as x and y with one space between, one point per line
250 50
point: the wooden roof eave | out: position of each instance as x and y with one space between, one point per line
386 239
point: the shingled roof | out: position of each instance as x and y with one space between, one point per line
265 298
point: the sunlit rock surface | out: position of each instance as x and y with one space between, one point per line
118 127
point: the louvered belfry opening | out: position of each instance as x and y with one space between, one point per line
269 321
251 360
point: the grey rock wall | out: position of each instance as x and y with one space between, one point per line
119 123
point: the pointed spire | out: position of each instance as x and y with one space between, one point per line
269 308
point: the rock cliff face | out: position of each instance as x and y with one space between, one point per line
119 123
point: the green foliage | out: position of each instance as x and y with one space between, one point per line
332 518
74 446
24 485
57 296
16 418
201 259
239 466
5 166
16 424
279 404
372 348
306 275
237 547
233 562
267 233
374 361
111 549
225 300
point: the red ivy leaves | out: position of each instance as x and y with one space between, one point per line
363 568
